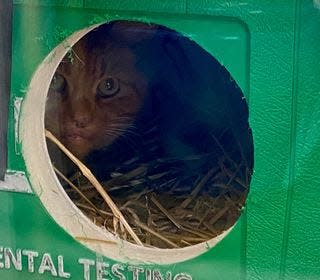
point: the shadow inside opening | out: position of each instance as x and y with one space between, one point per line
161 124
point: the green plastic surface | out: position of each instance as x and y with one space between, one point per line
272 50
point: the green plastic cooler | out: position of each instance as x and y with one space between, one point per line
270 52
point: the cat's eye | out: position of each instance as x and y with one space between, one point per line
108 87
58 83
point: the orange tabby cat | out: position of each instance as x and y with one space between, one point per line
95 93
136 91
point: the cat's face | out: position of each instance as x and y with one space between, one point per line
94 97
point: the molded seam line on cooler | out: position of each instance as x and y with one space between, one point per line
244 229
293 139
5 80
243 245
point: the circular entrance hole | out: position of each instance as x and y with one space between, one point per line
160 124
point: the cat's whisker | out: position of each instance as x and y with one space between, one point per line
120 135
130 135
113 134
131 129
119 131
120 123
132 138
124 118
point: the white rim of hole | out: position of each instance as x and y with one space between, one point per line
52 195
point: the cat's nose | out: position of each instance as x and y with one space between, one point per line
81 121
81 112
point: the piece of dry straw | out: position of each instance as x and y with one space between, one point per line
92 179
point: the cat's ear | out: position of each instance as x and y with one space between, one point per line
132 32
